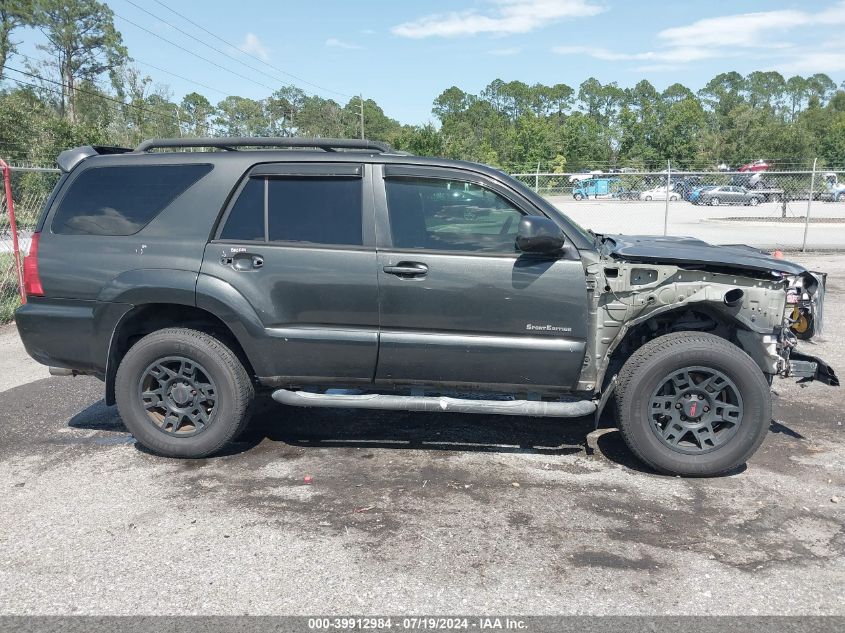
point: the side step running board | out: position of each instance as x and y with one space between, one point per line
535 408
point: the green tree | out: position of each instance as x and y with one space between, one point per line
423 140
765 89
13 14
451 102
82 43
821 86
239 116
196 113
796 91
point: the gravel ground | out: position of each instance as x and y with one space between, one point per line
411 513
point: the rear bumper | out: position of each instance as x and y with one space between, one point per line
69 334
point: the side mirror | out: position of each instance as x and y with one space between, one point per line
539 236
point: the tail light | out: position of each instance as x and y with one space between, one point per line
31 280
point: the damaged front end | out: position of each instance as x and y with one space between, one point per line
804 319
644 287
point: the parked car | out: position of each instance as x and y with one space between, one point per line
595 188
685 186
659 193
729 194
755 166
603 188
695 194
338 273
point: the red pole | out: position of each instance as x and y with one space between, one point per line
13 225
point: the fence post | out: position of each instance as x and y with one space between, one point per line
537 179
809 205
13 226
668 185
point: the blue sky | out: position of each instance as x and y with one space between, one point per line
403 54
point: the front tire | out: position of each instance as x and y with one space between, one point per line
754 201
692 404
714 202
183 393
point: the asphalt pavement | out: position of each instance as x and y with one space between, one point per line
416 513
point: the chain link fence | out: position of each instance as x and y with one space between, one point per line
786 210
30 187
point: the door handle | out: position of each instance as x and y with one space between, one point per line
243 261
407 269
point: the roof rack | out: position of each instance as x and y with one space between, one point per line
229 144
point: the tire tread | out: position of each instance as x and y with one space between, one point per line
244 390
669 343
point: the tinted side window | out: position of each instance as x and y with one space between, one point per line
315 210
450 215
246 219
121 200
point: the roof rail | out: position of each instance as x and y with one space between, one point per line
229 144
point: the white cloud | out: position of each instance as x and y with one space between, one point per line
681 54
732 36
505 52
505 17
253 46
744 29
809 62
657 68
333 42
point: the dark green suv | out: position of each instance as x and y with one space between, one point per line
337 273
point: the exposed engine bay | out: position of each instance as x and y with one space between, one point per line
762 304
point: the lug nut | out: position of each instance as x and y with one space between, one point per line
683 418
706 409
678 406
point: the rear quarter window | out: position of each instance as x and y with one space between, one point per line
121 200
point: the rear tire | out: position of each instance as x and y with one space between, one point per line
658 421
754 201
183 393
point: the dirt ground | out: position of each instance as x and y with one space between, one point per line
413 513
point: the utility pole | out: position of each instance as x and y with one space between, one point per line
809 205
361 99
668 188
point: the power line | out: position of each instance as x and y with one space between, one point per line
266 63
344 115
193 81
206 44
91 92
190 52
163 70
